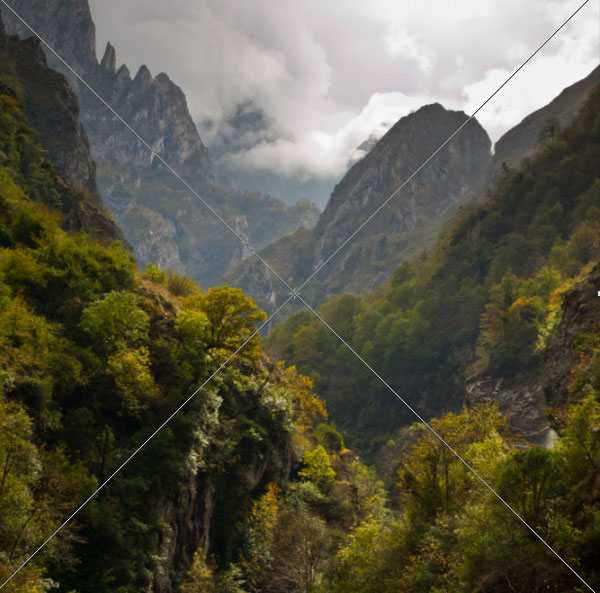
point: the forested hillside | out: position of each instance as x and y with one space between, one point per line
484 302
93 357
250 489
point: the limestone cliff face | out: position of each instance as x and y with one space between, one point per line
156 107
191 515
455 172
186 236
409 223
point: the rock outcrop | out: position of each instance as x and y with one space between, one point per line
581 316
526 404
191 515
155 107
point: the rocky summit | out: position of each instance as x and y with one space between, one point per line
457 176
408 223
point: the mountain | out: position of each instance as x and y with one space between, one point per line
483 312
94 356
182 234
248 488
26 77
412 221
408 223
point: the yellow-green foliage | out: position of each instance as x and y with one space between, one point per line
91 361
452 534
317 468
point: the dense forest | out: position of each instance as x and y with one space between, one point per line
250 488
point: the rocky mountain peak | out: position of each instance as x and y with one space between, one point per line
109 61
163 222
68 27
407 224
143 79
448 181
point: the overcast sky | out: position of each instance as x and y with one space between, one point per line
331 71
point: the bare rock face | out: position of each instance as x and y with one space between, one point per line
523 405
454 172
190 515
156 107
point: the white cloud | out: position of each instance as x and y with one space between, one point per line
330 72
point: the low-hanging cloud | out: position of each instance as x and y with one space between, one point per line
329 73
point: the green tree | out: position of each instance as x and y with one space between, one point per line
231 318
317 468
116 321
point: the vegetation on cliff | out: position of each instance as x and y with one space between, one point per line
248 489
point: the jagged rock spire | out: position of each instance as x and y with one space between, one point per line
143 77
109 61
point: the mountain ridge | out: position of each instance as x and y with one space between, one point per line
409 222
396 237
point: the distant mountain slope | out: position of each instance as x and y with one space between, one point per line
522 140
407 224
413 220
184 235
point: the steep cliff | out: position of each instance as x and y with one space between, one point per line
186 237
409 223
